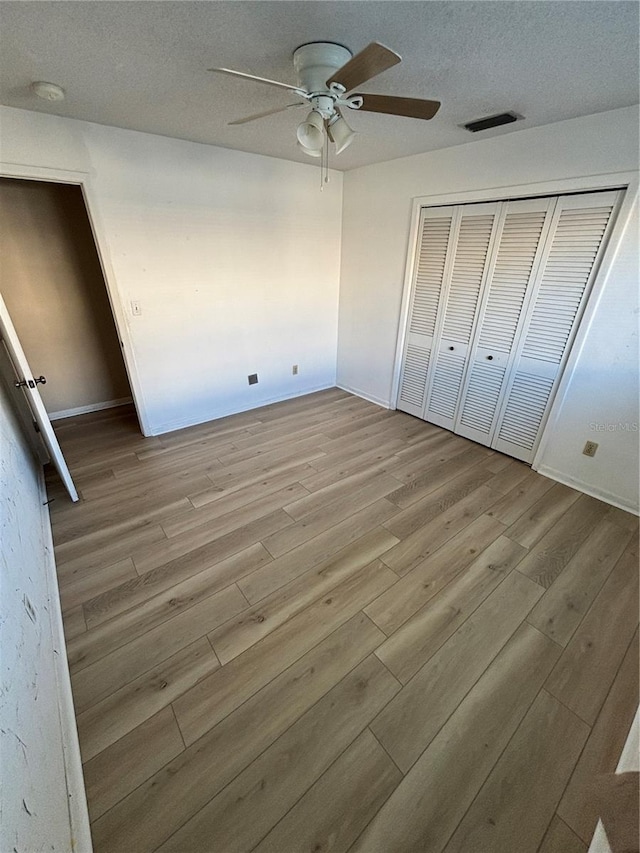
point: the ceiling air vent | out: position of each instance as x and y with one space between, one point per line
491 121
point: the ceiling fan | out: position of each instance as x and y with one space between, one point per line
327 73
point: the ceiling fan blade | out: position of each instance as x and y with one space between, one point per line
390 104
265 113
371 61
241 74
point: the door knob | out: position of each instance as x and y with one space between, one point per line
451 348
31 382
489 358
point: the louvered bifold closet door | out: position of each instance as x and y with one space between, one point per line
427 285
522 229
474 230
578 234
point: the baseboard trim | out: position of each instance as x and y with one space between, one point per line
171 426
74 779
92 407
575 483
369 397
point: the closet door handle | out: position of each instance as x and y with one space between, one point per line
31 383
452 348
489 358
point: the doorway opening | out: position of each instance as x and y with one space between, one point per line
53 285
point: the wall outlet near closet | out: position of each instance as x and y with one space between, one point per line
253 378
294 370
590 448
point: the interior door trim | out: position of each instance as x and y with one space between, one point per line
21 171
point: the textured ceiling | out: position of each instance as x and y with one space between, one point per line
141 64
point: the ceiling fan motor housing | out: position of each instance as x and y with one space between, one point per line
323 105
314 63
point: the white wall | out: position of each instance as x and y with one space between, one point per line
233 257
376 222
42 797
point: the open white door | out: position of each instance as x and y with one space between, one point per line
29 385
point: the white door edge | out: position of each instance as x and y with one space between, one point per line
30 390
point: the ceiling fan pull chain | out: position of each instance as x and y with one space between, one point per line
325 159
326 174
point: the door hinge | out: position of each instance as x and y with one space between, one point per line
36 426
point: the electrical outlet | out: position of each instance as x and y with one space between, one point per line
590 448
253 378
294 369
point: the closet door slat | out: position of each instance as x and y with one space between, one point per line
523 227
444 389
433 247
471 249
414 377
558 297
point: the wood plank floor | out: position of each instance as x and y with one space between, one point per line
321 625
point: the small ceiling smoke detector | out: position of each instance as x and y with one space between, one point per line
48 91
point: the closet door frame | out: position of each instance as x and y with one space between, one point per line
83 179
627 181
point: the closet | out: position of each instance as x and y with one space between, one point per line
497 294
52 284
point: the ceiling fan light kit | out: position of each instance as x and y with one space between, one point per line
310 132
340 133
310 151
327 72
